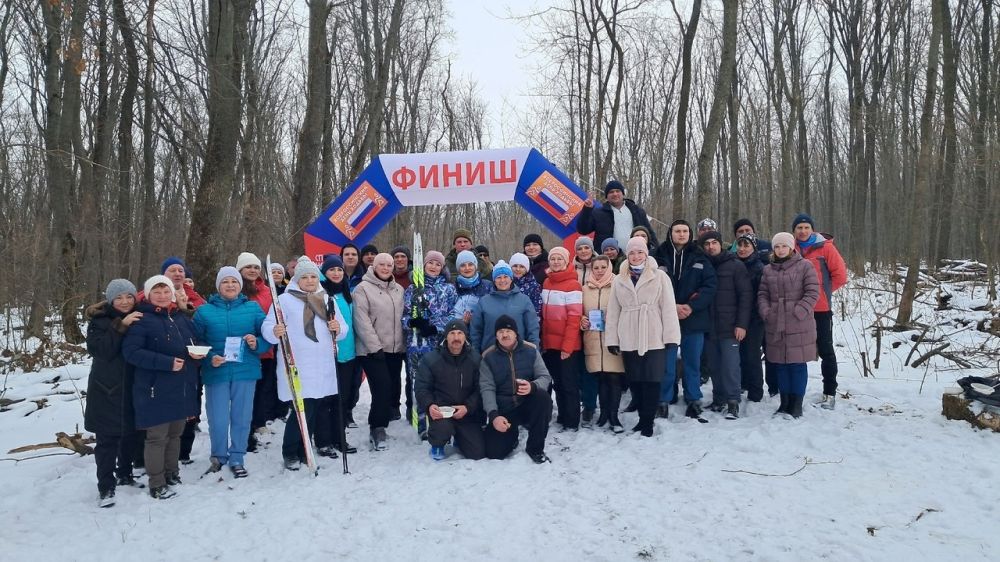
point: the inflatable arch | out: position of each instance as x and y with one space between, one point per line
394 181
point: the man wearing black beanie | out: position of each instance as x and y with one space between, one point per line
615 219
744 226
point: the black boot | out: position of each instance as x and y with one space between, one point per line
795 405
783 407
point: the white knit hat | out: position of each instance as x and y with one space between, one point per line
245 259
155 280
520 259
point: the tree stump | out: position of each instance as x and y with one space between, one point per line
955 406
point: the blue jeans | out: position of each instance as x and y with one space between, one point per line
792 378
691 347
230 407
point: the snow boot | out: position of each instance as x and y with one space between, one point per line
292 464
795 405
693 410
173 479
162 493
732 410
587 418
539 458
377 439
783 407
437 453
129 480
663 410
327 451
830 403
107 498
238 471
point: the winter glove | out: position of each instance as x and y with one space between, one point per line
614 350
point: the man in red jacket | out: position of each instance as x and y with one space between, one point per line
831 272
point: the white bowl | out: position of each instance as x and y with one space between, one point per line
446 411
199 349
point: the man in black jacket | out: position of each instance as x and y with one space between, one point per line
447 388
514 384
615 219
730 312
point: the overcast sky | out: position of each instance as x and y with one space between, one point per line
490 48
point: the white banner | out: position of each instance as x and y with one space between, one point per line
441 178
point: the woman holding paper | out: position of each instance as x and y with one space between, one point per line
231 324
600 363
642 322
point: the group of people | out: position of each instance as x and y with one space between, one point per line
484 346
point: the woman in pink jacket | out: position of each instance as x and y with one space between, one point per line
788 292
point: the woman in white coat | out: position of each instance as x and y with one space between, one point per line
642 322
311 336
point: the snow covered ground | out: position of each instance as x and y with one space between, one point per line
883 476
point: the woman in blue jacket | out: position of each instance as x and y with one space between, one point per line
230 323
165 391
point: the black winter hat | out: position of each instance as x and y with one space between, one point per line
505 322
480 249
614 184
349 245
801 218
537 239
710 235
369 249
743 222
456 324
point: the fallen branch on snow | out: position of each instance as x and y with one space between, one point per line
807 462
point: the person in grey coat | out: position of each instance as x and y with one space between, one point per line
504 298
788 292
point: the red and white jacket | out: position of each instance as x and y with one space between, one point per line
562 307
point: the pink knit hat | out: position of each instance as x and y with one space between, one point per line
637 244
784 239
561 251
434 256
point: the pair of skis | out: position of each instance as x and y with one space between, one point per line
418 308
294 381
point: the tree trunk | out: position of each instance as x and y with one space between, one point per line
946 182
716 116
227 30
375 101
125 146
305 178
917 210
148 155
677 183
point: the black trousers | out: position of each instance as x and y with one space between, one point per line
643 371
468 434
329 422
345 385
380 375
291 444
113 455
534 412
751 366
566 381
827 353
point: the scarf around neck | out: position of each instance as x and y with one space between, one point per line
314 305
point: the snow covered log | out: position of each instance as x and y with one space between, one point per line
955 406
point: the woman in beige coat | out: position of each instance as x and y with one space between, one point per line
642 322
379 343
600 362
